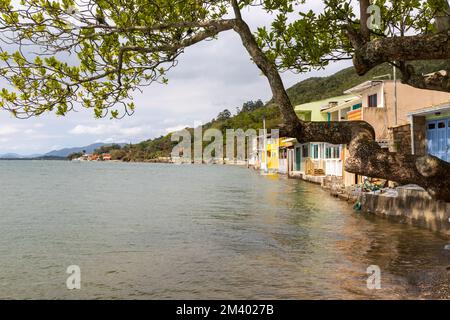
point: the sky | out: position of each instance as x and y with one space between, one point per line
210 77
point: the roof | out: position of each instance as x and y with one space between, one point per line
345 104
444 107
364 86
323 104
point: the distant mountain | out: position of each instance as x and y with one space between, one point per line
55 154
64 153
11 156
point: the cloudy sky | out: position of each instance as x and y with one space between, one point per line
210 77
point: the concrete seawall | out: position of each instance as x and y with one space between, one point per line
411 205
407 204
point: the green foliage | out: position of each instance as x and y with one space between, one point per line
114 48
107 149
74 155
224 115
251 106
314 39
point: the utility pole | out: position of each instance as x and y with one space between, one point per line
395 96
265 145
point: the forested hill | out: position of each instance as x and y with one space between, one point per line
252 113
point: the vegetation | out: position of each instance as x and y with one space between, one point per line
314 89
75 155
162 146
107 149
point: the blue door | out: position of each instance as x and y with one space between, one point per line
438 138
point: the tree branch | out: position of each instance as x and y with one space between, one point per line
364 18
438 81
408 48
268 68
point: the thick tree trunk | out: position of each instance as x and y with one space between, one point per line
364 17
422 47
438 81
366 156
369 159
290 119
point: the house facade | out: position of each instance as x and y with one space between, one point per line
404 118
430 131
317 158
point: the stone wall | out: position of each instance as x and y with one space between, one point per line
400 139
420 136
412 205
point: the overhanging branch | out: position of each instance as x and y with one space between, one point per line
408 48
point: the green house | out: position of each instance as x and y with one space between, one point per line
313 111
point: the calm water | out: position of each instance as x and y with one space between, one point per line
144 231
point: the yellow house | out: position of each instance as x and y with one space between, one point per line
272 151
276 154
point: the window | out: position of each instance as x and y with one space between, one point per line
431 126
441 125
315 151
336 154
373 101
332 152
305 151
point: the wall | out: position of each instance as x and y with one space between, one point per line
376 89
378 119
409 99
420 135
311 111
400 139
411 205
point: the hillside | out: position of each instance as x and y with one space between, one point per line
67 151
314 89
251 114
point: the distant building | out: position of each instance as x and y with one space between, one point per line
93 157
